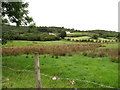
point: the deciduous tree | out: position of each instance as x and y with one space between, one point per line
16 12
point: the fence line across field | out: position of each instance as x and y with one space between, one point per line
57 77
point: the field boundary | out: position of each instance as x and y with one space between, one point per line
56 76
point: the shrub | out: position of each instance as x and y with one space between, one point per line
77 40
91 40
85 53
4 41
80 40
88 40
73 40
68 39
63 34
95 36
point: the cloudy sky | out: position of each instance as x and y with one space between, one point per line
77 14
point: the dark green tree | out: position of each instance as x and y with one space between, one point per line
118 36
5 21
63 34
31 26
4 41
16 13
95 36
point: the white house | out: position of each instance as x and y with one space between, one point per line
67 32
51 34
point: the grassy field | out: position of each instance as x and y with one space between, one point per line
36 43
21 43
77 38
80 34
98 69
87 37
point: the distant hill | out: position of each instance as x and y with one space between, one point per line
50 33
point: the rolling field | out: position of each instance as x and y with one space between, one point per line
77 38
21 43
80 34
85 71
87 37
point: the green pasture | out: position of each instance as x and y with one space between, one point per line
19 43
76 33
81 34
87 37
99 70
77 38
107 39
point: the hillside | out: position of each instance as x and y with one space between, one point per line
54 33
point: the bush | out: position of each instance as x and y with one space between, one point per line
84 53
63 34
73 40
4 41
68 39
91 40
88 40
95 36
77 40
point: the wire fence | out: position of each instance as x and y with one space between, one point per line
71 80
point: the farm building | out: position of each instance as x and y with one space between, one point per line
68 32
51 33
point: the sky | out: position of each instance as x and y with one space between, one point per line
77 14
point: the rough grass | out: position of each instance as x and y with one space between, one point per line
113 54
57 50
110 50
99 70
114 45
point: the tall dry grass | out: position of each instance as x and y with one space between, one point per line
113 53
57 50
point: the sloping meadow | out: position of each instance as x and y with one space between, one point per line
57 50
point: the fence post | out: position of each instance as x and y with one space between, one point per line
37 71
